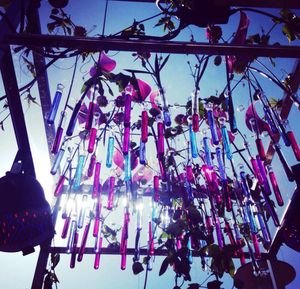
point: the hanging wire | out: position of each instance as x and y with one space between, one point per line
105 17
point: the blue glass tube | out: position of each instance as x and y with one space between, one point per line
55 104
78 172
244 184
193 142
57 160
127 167
142 152
226 143
220 164
212 126
263 228
110 151
167 117
207 151
252 224
190 253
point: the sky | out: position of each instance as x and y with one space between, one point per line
17 271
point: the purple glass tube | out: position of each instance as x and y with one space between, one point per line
92 139
263 175
189 173
83 242
65 229
275 186
98 254
294 144
257 253
256 171
144 128
59 186
219 232
127 110
156 188
96 183
91 167
150 239
74 249
110 201
260 149
57 140
229 233
97 221
142 153
90 116
226 194
160 139
126 140
209 227
195 122
212 126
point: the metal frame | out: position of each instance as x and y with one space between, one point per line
92 44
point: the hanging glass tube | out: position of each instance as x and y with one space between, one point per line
74 248
90 115
211 123
239 242
156 188
189 173
127 110
97 220
83 241
59 186
126 140
160 139
96 182
78 172
144 128
110 151
256 170
244 181
220 164
150 239
195 108
55 103
59 133
275 186
257 253
263 227
193 142
218 230
263 175
206 146
98 252
73 119
124 238
82 213
59 158
91 167
110 200
190 252
93 132
225 138
142 153
229 232
71 236
293 140
66 227
127 167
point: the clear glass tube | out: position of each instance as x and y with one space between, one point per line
193 142
144 128
110 151
110 200
71 236
142 153
58 159
97 220
74 249
55 103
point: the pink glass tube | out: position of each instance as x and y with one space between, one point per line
59 186
195 122
96 183
276 189
150 241
156 188
96 227
126 140
260 149
241 251
162 170
189 173
74 249
124 235
92 140
57 140
256 171
83 242
160 139
123 259
178 244
110 201
257 253
90 116
144 135
65 229
294 144
264 176
98 254
127 110
91 166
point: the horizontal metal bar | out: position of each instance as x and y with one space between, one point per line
293 4
129 251
90 44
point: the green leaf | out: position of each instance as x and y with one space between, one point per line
231 268
164 62
164 266
288 32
